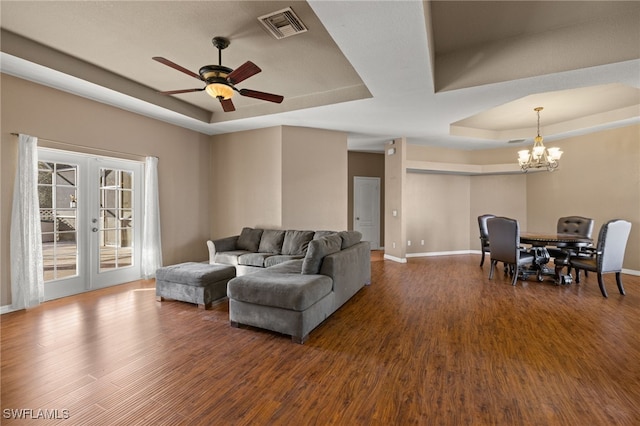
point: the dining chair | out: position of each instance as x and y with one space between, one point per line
505 247
582 226
484 235
578 225
608 254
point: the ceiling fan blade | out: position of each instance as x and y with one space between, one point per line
261 95
176 66
227 105
175 92
243 72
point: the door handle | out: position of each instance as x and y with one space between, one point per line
94 229
357 218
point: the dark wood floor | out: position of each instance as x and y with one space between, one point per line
431 342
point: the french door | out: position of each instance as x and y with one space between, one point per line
90 214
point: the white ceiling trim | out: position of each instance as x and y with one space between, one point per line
395 66
21 68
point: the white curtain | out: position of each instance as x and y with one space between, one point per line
27 280
151 244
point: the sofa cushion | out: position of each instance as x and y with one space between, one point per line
271 241
288 267
296 242
350 238
280 258
287 291
317 250
194 274
229 257
249 239
320 234
253 259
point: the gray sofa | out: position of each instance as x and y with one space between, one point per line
292 292
256 249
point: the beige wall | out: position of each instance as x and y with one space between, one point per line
599 177
395 229
501 195
314 179
280 177
85 125
246 181
366 164
442 209
437 211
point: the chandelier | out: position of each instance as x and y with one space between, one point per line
539 157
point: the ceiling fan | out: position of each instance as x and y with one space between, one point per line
220 80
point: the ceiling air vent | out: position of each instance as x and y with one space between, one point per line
283 23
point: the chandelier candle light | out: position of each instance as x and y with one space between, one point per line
540 156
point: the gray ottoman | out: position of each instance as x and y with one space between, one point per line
199 283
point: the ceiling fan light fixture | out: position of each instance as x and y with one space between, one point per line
220 81
219 91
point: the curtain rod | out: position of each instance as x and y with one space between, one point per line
127 155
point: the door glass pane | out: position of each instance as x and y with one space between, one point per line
116 225
45 195
109 220
45 172
57 194
108 198
126 199
107 257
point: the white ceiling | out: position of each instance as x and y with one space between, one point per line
463 75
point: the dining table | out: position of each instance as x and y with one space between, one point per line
567 244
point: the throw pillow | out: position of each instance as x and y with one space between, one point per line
271 241
317 250
296 242
249 239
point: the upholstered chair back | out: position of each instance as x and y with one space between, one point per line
482 224
504 234
579 225
612 242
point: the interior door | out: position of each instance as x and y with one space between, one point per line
90 211
366 209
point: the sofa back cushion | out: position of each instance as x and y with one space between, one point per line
271 241
320 234
350 238
296 242
317 250
249 239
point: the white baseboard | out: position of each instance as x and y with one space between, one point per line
448 253
440 253
6 309
395 259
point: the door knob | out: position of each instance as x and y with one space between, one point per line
94 229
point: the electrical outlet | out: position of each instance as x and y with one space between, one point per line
394 245
421 242
409 242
